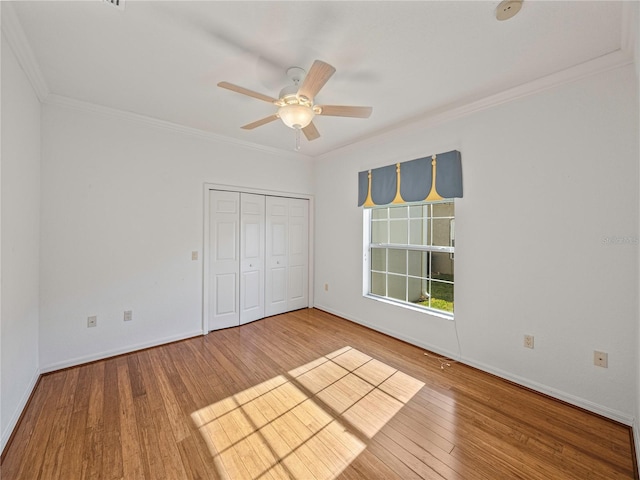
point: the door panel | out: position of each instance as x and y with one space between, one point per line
224 208
296 239
279 236
277 219
278 290
298 261
252 240
225 288
296 283
252 232
250 292
226 241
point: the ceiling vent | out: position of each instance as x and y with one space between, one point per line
119 4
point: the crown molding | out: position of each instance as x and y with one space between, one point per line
18 42
616 59
71 103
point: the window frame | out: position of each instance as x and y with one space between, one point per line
368 246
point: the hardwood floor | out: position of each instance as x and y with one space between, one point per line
303 395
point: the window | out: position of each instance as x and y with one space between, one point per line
409 254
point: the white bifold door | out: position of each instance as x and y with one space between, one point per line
287 254
224 259
251 257
258 257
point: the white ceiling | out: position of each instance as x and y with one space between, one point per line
163 59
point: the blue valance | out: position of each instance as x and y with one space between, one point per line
422 179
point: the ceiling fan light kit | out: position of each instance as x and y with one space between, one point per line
296 115
295 104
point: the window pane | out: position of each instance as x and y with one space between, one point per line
397 261
398 231
418 288
441 266
443 209
418 211
418 263
378 286
379 259
398 212
442 296
379 213
418 232
442 232
379 232
397 287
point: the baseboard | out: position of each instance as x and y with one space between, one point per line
17 415
579 402
393 333
115 352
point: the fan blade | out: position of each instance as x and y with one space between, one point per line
311 132
345 111
246 91
316 78
263 121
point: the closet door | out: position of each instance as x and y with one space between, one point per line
277 218
287 258
224 259
252 243
298 262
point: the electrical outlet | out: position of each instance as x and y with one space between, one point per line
92 321
528 341
326 287
194 255
601 359
128 315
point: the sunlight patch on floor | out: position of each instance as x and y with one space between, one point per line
310 423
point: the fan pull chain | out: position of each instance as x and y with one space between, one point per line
297 139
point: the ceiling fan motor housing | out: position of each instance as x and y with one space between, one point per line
288 95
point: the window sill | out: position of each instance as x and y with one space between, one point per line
408 306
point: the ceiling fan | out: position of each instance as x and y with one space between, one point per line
295 102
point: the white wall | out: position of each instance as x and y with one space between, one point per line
546 179
20 219
122 210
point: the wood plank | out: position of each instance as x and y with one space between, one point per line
132 462
94 434
73 461
55 448
197 463
175 414
166 453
